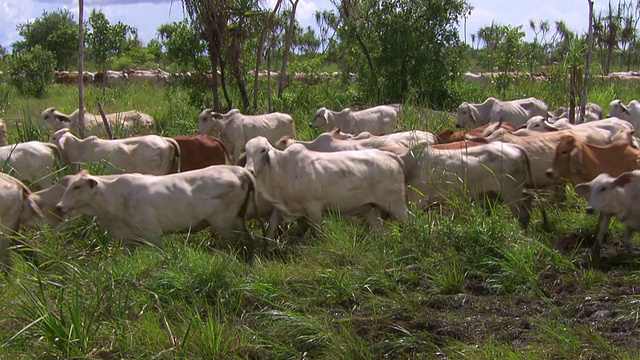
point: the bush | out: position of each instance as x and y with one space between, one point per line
31 71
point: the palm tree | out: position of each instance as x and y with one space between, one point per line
210 16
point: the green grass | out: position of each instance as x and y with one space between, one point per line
450 282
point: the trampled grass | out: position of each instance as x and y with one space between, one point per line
451 282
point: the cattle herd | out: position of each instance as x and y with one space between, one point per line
255 168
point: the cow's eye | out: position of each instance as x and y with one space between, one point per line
263 151
602 189
76 187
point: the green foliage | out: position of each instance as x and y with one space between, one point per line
389 69
31 71
184 47
136 57
56 32
104 39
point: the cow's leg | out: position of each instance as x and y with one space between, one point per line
5 256
521 209
372 215
275 219
248 245
603 225
628 232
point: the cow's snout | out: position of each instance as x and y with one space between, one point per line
458 126
590 210
310 124
550 174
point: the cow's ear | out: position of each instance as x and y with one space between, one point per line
92 183
623 179
575 160
325 115
63 119
582 189
471 114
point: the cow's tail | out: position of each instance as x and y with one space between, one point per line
175 164
250 196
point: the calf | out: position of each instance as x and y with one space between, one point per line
134 206
615 196
31 161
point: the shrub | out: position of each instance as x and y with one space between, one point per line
31 71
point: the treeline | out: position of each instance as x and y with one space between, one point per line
234 37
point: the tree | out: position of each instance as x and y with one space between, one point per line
404 47
31 70
210 18
55 32
289 34
105 40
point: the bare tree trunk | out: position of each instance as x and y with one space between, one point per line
270 100
287 45
215 64
256 83
585 84
234 56
80 67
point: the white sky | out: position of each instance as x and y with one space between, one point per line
147 15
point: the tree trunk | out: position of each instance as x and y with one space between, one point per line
585 84
213 59
80 67
223 84
234 56
256 82
287 46
269 98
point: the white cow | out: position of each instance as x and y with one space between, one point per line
149 154
630 112
14 198
515 112
123 124
497 168
612 127
235 128
31 161
592 112
335 140
134 206
348 181
614 196
378 120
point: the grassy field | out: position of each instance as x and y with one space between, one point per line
450 283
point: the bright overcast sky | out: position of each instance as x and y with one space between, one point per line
146 15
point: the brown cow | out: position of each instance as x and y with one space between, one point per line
580 162
198 151
449 135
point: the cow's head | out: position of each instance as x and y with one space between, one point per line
618 109
79 193
320 119
54 119
258 152
284 142
466 116
211 122
567 161
606 193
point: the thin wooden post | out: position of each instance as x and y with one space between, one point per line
105 121
80 67
585 84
